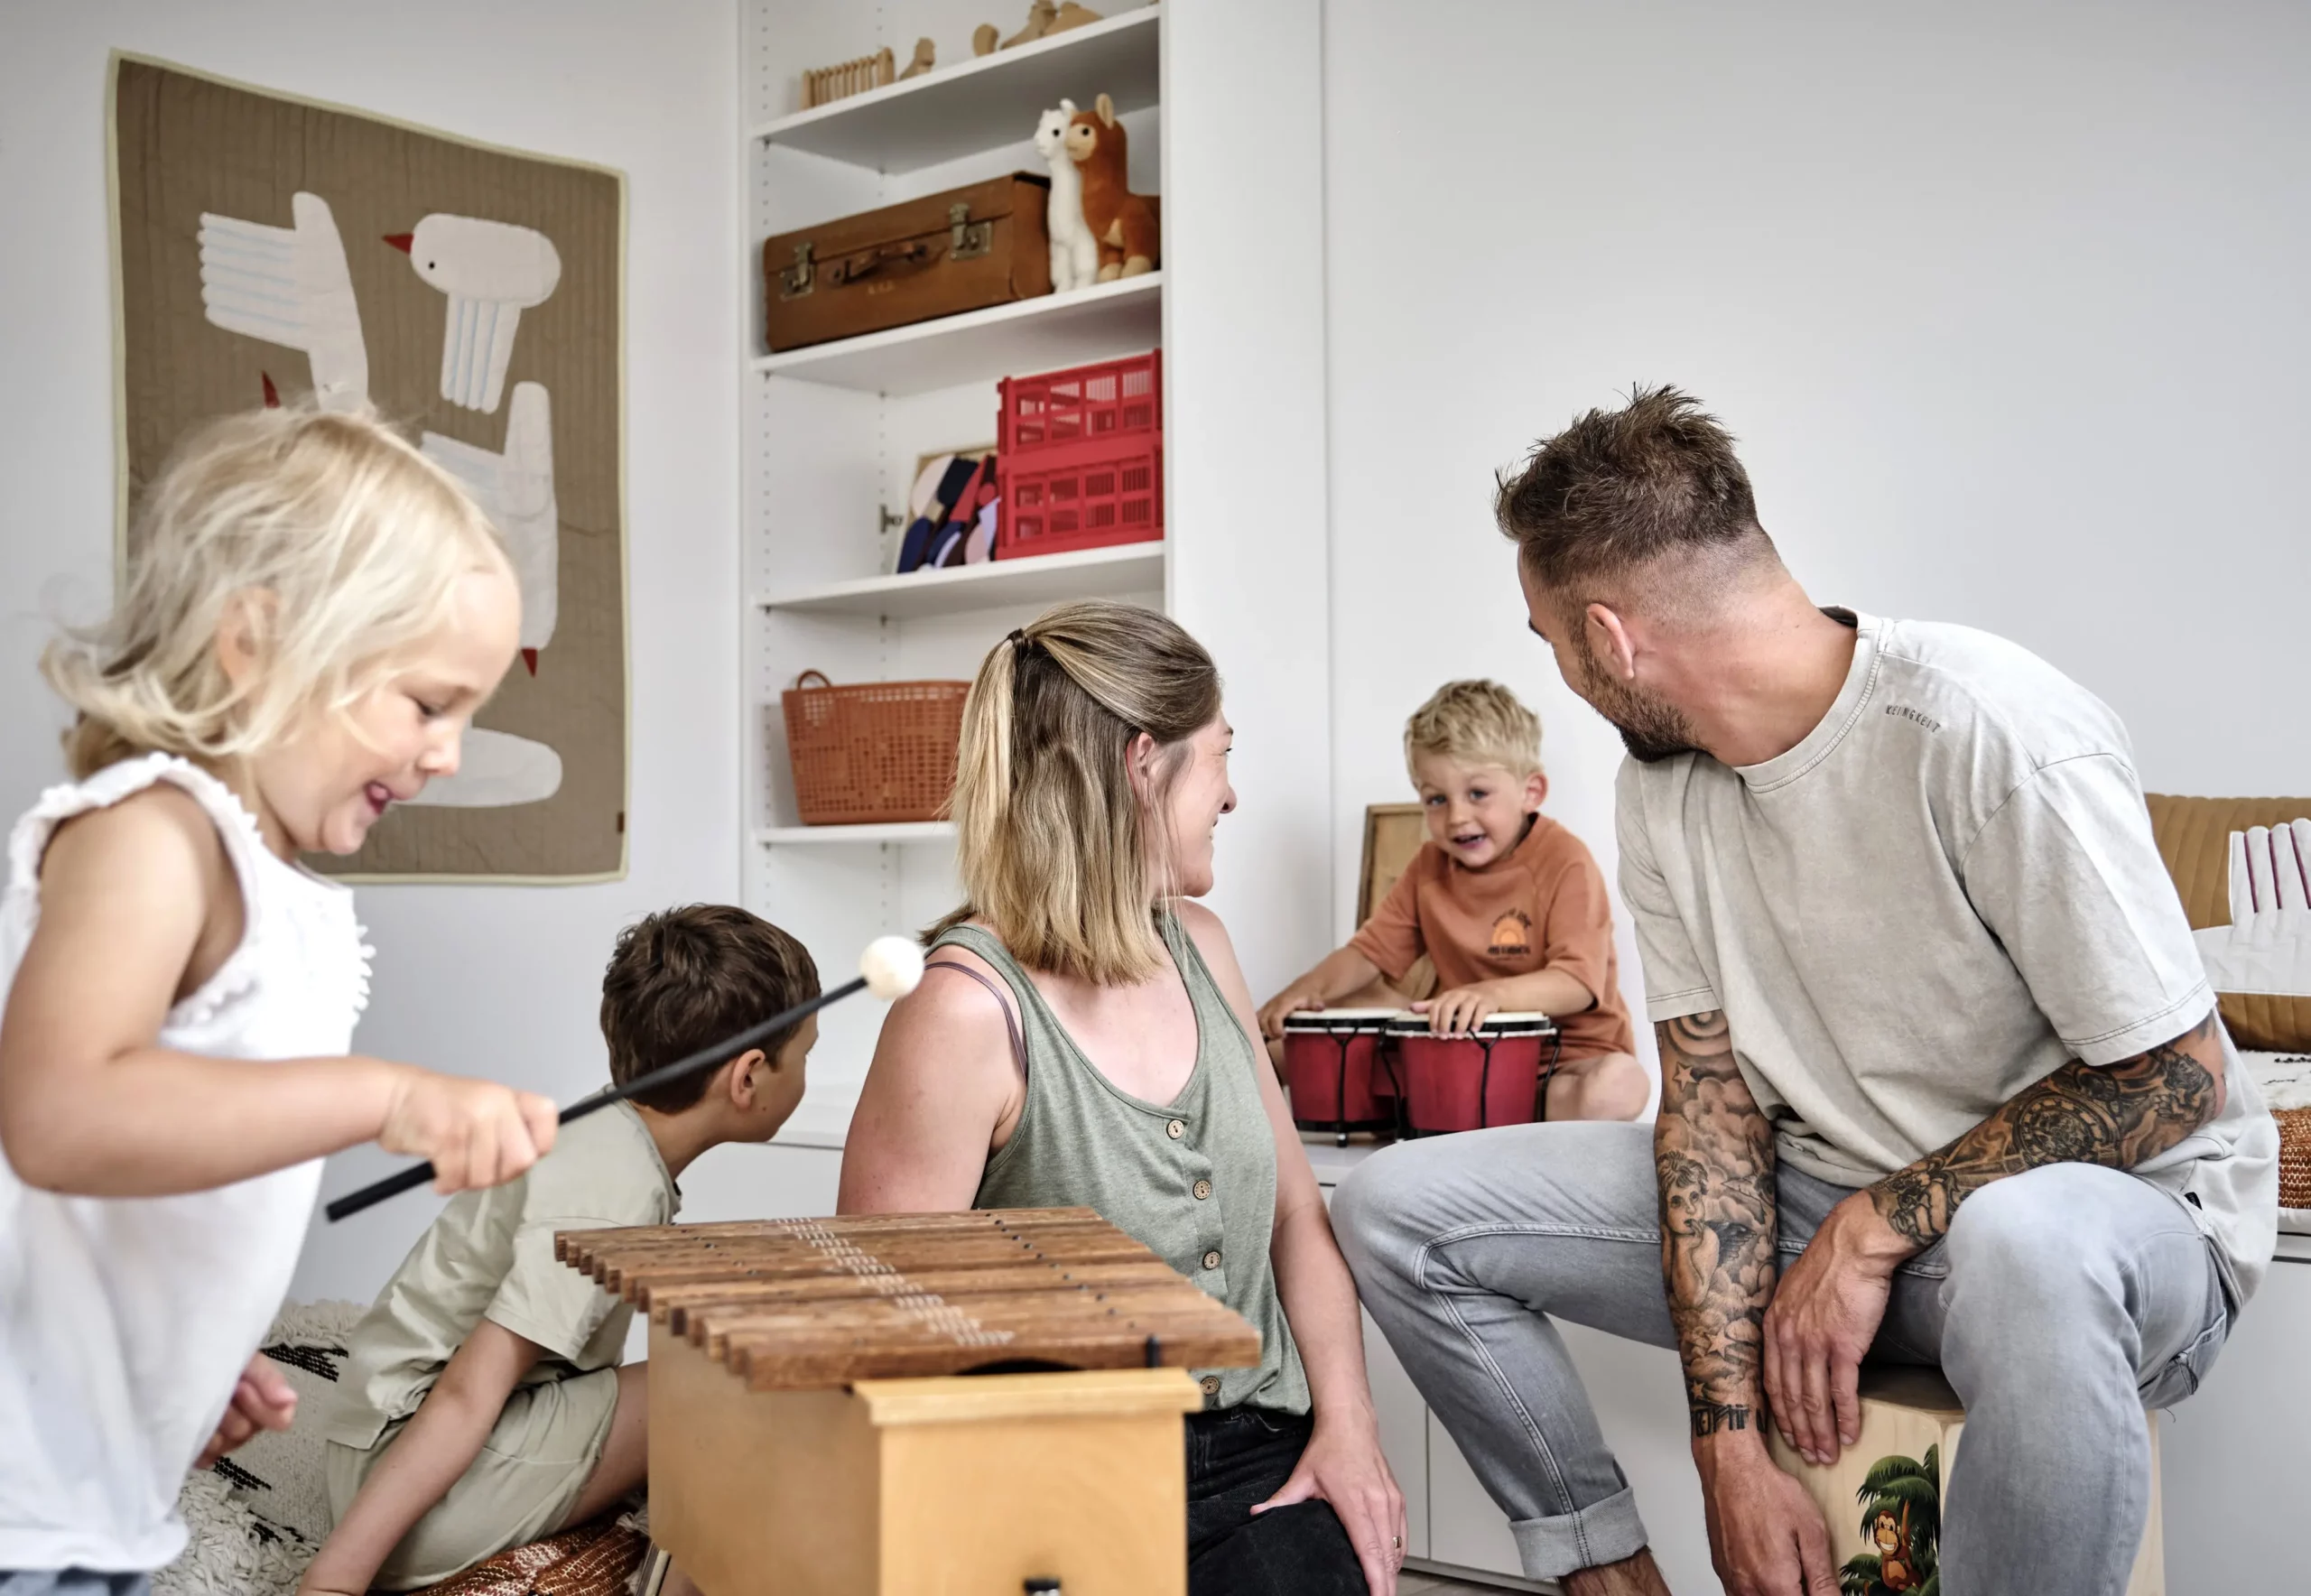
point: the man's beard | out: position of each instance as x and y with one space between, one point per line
1651 730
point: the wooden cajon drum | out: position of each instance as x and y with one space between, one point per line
1883 1495
816 1427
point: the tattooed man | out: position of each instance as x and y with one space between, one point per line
1941 1078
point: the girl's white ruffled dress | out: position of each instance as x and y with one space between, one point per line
125 1323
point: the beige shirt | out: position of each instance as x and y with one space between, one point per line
490 1256
1946 892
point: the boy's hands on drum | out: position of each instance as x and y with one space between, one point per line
1459 1012
1291 1001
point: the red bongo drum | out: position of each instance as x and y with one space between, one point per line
1339 1081
1492 1077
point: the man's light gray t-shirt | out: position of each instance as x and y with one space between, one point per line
1947 891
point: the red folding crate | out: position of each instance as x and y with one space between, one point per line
1082 457
1103 402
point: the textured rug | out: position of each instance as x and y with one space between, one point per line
258 1517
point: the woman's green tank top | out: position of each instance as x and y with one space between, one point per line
1193 1178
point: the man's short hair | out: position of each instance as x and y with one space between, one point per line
1475 723
682 980
1620 490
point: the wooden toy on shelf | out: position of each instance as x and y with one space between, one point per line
926 56
1040 14
825 85
1072 15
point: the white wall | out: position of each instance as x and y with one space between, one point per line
1244 338
2006 304
498 982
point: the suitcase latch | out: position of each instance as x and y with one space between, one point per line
968 239
796 281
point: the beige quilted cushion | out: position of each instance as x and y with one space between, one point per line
2194 840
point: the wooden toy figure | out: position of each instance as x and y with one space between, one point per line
1125 223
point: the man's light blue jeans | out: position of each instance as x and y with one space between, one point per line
2062 1302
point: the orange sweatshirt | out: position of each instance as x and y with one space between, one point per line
1543 906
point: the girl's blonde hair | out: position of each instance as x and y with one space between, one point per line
1056 851
341 541
1475 723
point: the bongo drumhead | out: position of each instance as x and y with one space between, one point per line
1333 1022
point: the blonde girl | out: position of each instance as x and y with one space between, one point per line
314 613
1084 1036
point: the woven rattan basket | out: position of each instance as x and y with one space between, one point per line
877 752
2294 1156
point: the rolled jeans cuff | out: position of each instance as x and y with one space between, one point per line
1603 1533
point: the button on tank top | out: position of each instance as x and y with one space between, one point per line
1193 1178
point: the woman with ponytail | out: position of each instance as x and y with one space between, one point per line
1084 1036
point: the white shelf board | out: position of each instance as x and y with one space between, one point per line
890 832
1043 578
1039 334
981 103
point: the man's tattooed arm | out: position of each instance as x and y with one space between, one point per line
2117 1115
1712 1149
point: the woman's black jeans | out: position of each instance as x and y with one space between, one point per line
1239 1457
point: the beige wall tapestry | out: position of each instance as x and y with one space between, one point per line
265 246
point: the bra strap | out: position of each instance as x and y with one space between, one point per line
1010 1023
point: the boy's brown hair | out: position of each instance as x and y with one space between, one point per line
1619 489
682 980
1477 723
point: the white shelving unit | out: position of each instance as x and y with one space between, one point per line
824 836
834 432
974 104
1087 574
1031 335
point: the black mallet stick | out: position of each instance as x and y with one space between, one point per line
890 967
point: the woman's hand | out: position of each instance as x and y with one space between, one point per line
1343 1465
262 1400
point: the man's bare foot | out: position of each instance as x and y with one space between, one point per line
1632 1576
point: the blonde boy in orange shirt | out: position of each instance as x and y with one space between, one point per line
1508 904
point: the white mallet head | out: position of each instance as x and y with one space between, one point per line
892 965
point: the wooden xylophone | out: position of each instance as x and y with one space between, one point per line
912 1403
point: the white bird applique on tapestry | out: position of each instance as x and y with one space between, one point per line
497 770
288 286
516 490
491 271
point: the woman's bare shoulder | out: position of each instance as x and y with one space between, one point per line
1210 932
951 1013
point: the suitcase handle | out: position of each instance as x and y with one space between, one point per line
916 252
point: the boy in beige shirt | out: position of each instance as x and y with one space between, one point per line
483 1406
1509 905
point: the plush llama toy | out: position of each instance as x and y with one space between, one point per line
1074 253
1123 223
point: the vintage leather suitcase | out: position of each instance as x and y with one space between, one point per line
963 250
